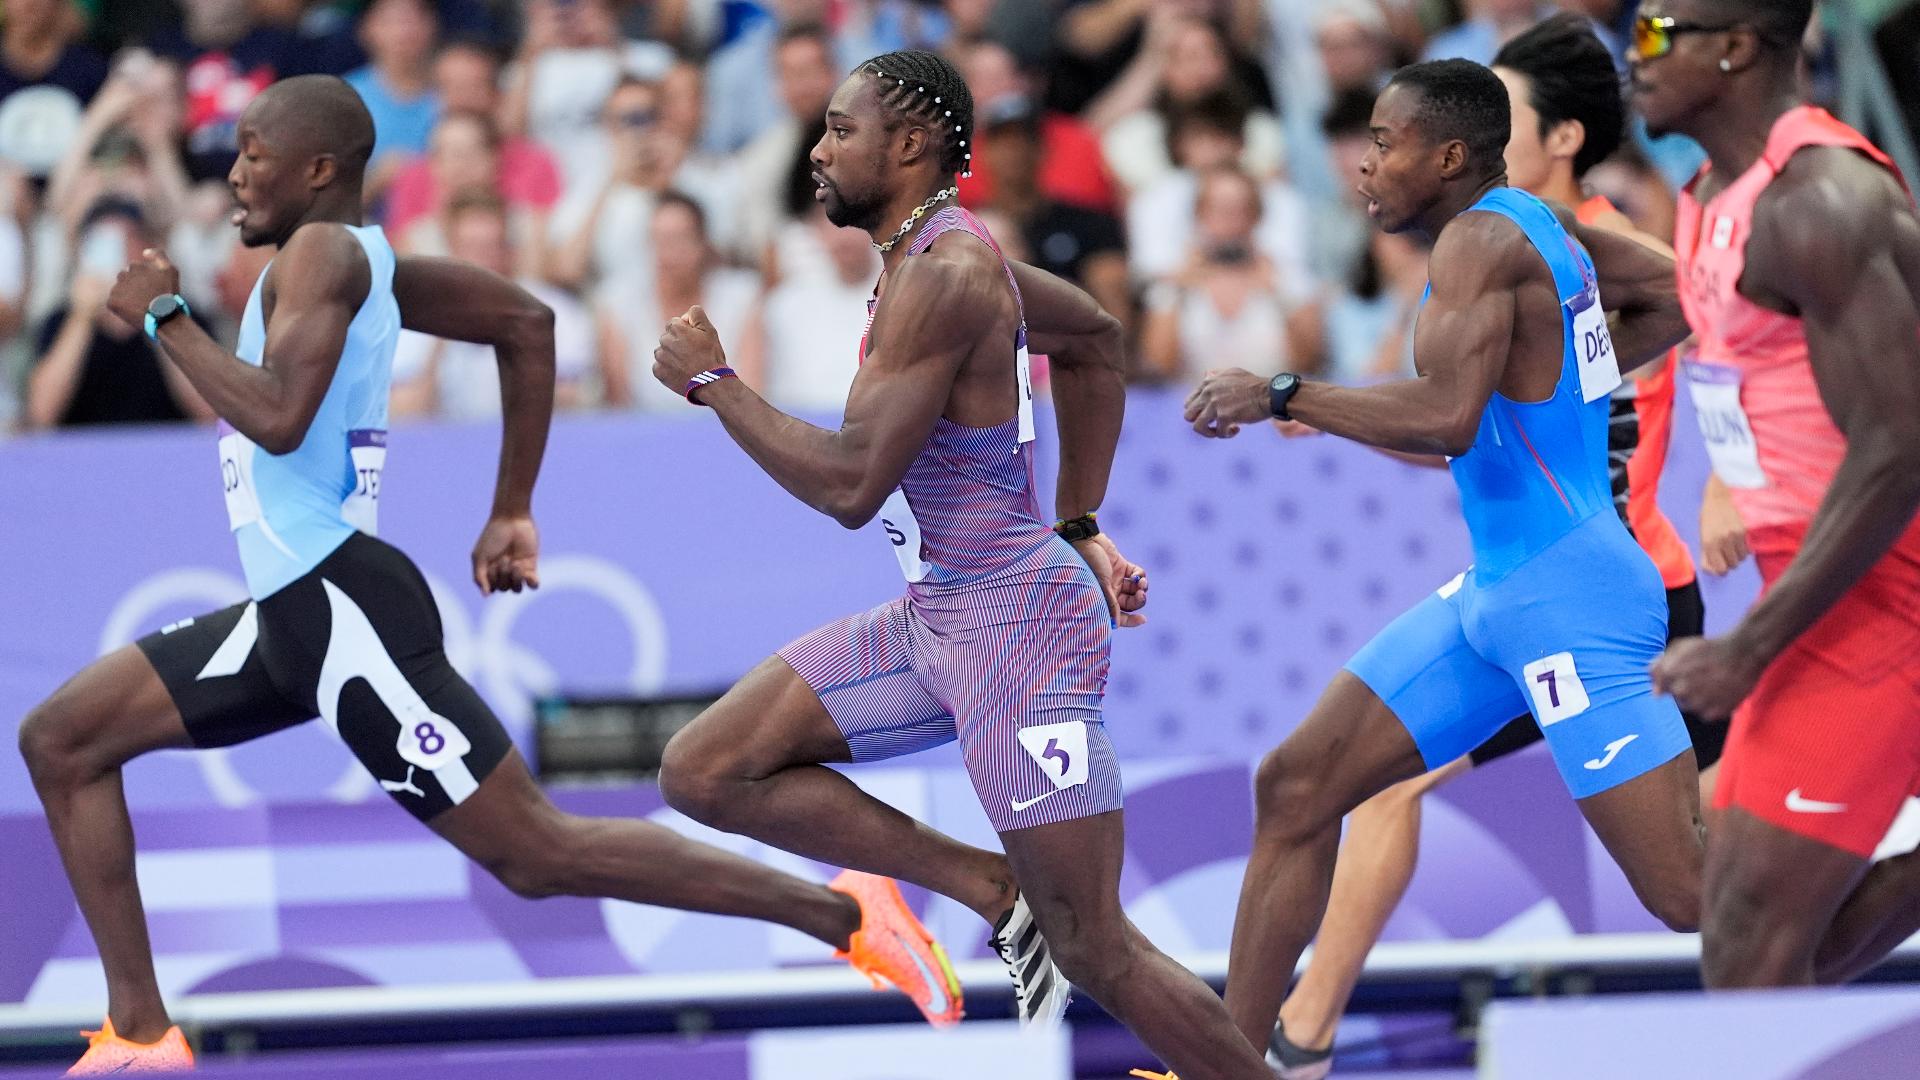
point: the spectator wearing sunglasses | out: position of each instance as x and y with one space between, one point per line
601 228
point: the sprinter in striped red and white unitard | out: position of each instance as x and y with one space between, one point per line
1002 638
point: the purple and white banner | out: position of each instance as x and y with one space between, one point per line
670 563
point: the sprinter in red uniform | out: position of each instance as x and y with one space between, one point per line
1799 261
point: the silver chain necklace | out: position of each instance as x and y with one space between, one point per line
908 224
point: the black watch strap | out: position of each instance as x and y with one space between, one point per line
1074 530
1280 391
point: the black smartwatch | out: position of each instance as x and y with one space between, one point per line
1074 530
1280 391
164 307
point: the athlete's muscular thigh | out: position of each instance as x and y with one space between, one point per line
111 711
769 720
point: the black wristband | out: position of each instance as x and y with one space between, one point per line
1074 530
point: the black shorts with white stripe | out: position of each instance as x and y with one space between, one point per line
357 642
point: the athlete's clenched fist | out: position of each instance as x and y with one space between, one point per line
1224 400
144 279
689 355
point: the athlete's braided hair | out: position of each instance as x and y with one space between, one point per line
927 89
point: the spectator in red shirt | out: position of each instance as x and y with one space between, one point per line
464 156
466 78
1072 168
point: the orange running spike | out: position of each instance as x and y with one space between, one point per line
892 946
107 1052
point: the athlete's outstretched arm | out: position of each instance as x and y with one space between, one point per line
924 329
317 283
1638 287
1459 352
1837 240
451 299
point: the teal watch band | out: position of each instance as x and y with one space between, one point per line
163 309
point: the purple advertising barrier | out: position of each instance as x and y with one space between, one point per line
1858 1033
670 563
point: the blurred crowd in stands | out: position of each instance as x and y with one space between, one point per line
1189 162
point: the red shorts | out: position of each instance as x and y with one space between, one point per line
1828 744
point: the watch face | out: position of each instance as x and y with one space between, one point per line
1280 391
164 306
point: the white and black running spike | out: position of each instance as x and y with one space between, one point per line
1040 991
1292 1062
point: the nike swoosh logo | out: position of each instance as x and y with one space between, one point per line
938 1004
1800 804
1613 751
1022 804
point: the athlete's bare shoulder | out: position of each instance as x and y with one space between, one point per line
1830 211
1483 250
955 291
321 261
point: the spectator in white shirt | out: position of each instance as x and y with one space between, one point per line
633 307
1191 63
1225 307
814 323
570 62
1207 135
460 380
600 228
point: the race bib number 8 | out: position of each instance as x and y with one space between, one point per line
430 741
1724 425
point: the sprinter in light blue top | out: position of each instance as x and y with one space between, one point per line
341 625
1562 612
289 511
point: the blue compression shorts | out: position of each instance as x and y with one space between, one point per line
1569 635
